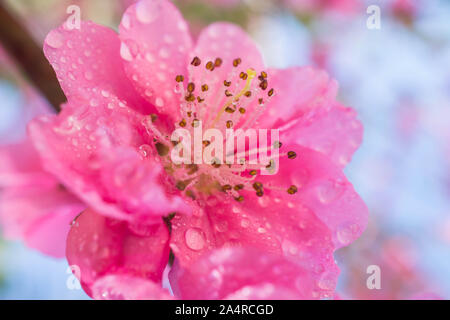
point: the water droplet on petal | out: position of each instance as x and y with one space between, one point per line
54 39
159 102
148 11
346 233
195 239
125 52
126 22
329 191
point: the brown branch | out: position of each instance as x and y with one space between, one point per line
28 55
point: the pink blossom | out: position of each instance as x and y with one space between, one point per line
110 146
33 205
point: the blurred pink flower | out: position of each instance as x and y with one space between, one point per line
106 148
327 6
34 206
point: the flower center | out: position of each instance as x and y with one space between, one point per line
220 101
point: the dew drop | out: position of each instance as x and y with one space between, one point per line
148 11
126 22
329 191
159 102
88 75
346 233
54 39
245 223
195 239
164 53
125 52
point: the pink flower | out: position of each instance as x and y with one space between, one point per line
34 206
110 146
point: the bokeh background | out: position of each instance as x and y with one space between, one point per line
396 77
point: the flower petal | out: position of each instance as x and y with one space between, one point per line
87 57
155 42
123 287
335 132
239 273
40 216
272 224
102 152
297 91
20 166
323 189
100 246
227 42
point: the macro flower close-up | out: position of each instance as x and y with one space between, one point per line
163 158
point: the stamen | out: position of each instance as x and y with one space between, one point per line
210 66
196 62
292 155
191 87
218 62
292 189
179 78
250 76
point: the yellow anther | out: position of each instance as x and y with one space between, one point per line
251 75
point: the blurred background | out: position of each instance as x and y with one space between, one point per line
396 76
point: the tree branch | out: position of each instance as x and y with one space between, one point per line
28 55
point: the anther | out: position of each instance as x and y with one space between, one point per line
248 94
226 83
238 187
270 93
241 110
237 62
292 155
205 87
179 78
253 172
196 62
292 189
243 76
228 93
183 123
257 186
190 97
191 87
264 84
229 124
259 193
218 62
239 199
210 66
229 110
226 187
